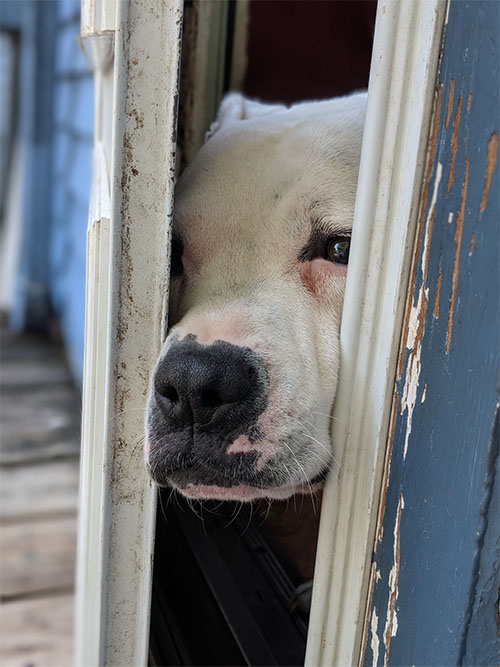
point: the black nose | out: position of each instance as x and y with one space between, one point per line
207 384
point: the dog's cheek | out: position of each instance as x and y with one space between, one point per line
324 279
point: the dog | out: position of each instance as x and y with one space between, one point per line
241 396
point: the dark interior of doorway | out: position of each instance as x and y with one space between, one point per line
224 578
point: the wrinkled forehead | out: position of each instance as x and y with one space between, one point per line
274 181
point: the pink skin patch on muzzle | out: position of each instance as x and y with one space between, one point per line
229 327
242 445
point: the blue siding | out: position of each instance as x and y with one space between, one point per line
435 597
56 128
71 178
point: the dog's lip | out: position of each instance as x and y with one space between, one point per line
203 474
188 478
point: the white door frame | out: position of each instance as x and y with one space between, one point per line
127 293
400 100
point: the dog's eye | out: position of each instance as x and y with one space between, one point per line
337 249
176 258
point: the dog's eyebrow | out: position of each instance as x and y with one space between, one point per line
321 233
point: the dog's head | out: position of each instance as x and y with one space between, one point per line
241 396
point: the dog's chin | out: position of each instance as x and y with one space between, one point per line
238 492
197 489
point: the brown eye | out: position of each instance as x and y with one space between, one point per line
337 249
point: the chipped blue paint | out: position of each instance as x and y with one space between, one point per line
435 595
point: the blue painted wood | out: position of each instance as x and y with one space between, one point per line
36 22
56 131
72 171
436 564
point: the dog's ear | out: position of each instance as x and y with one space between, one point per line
235 107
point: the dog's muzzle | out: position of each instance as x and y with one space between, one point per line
204 398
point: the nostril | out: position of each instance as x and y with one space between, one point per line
210 399
169 392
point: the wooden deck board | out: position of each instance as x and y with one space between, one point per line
37 632
37 556
38 491
39 453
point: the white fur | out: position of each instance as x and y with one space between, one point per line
245 208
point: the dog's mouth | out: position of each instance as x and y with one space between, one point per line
199 482
242 480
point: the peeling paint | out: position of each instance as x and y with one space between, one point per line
366 624
422 400
374 641
418 312
410 393
454 143
416 319
456 264
386 473
491 163
472 243
450 217
469 102
430 164
391 620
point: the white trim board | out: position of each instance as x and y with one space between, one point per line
127 292
401 92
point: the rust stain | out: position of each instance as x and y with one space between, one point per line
391 620
454 143
430 164
456 264
435 312
472 242
491 163
469 102
451 97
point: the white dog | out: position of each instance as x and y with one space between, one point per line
241 396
